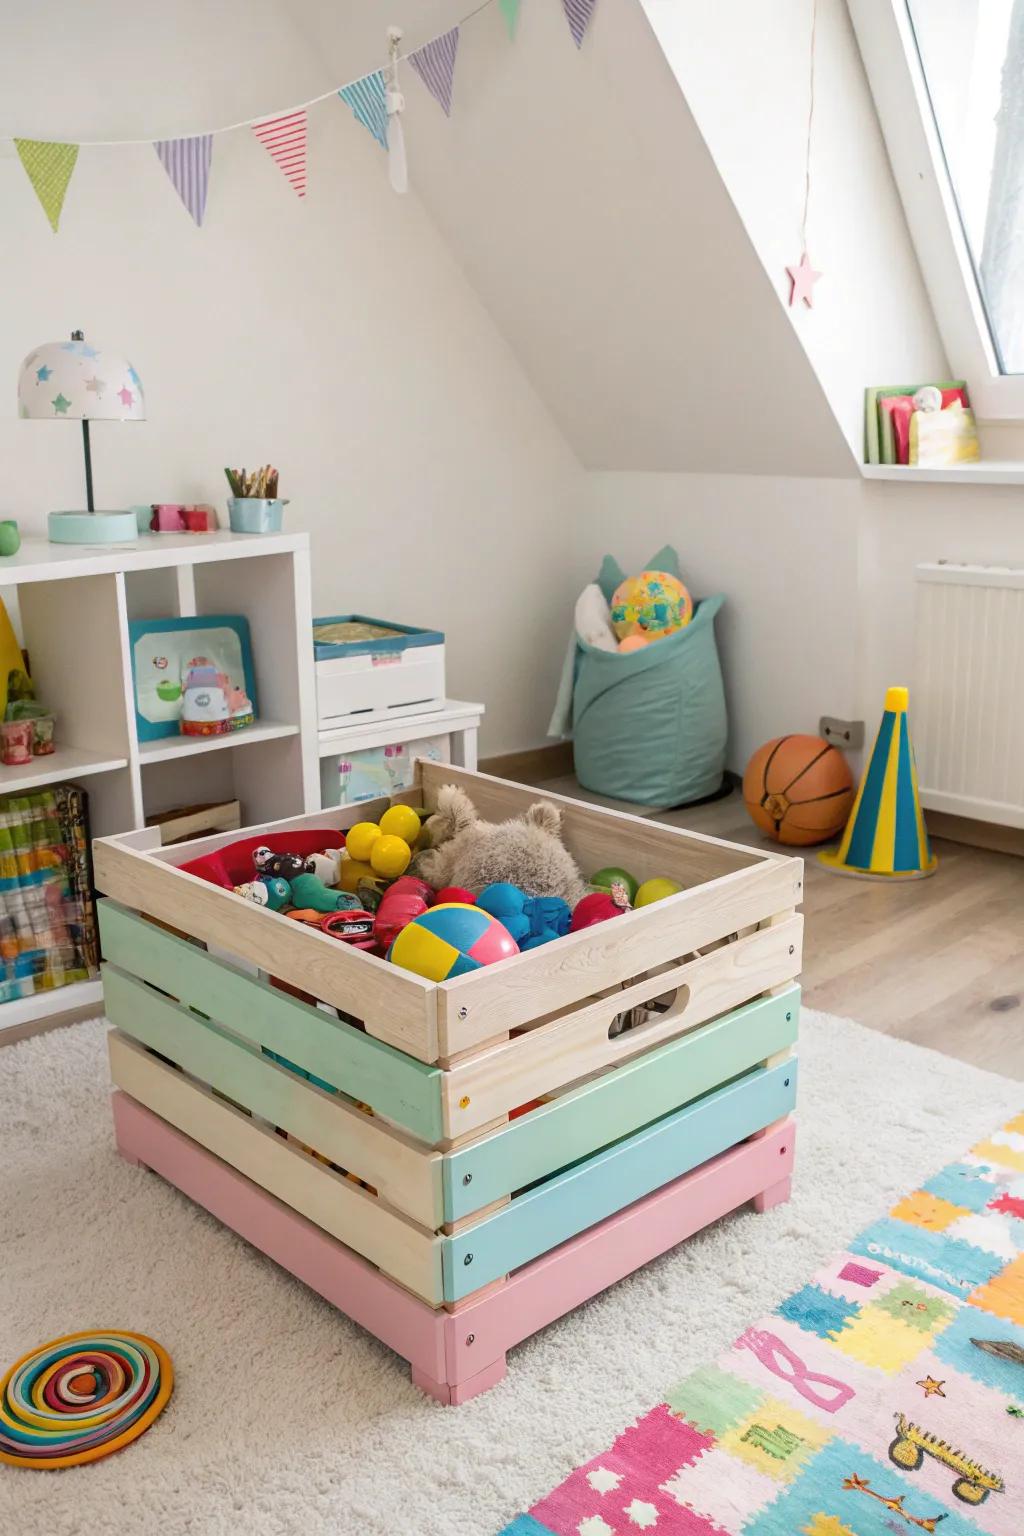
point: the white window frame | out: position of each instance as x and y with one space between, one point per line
889 51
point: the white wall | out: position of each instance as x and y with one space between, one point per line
744 68
336 337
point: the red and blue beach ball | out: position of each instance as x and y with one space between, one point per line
451 939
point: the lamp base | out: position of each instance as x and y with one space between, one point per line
93 527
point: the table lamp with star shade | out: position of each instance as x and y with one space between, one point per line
72 381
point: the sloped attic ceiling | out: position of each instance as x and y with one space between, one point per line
585 207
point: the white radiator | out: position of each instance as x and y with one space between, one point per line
967 704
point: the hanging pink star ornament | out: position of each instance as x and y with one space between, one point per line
803 277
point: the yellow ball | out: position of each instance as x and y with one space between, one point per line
655 890
401 821
351 872
390 856
361 838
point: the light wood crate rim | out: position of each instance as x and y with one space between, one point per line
438 1021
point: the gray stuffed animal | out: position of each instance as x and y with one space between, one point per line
527 851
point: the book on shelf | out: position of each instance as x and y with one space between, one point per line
901 425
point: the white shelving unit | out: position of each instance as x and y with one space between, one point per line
72 606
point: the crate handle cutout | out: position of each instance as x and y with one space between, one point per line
666 1003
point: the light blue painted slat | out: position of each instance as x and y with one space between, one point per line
398 1086
616 1104
588 1193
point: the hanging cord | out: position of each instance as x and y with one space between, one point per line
810 125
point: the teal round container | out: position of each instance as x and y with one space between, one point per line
254 514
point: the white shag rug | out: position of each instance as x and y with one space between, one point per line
286 1418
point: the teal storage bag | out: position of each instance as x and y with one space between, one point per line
650 725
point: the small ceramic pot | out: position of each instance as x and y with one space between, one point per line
253 514
16 741
42 735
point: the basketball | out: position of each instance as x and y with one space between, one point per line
798 790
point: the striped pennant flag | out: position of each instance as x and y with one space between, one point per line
187 163
578 14
49 168
510 10
435 65
284 139
368 100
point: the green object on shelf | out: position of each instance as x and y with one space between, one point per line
10 538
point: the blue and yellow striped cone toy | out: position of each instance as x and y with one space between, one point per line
885 837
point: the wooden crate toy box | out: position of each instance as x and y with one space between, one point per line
451 1221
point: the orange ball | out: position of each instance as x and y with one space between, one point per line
798 790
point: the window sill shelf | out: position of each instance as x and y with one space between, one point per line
987 472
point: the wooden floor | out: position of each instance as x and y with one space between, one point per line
937 961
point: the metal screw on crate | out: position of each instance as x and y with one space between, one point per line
463 1013
467 1178
468 1259
470 1338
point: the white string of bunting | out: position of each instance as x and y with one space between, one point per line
375 100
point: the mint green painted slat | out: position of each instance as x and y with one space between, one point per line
407 1176
616 1177
616 1104
398 1086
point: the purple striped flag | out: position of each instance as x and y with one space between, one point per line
578 14
435 65
187 163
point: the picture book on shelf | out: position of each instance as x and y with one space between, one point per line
930 425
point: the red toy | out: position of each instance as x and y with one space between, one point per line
395 911
595 908
355 928
454 893
410 885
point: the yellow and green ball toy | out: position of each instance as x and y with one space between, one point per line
653 604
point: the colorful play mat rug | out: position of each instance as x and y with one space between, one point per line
887 1395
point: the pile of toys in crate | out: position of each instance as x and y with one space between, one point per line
439 896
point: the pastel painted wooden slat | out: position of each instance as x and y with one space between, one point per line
397 1086
405 1175
393 1004
451 1352
594 1189
405 1251
551 1286
605 1108
572 1045
396 1317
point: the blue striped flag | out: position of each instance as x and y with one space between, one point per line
510 10
368 100
187 163
435 65
578 14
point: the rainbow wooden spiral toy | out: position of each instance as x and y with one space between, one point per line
82 1397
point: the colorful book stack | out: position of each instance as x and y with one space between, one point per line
930 425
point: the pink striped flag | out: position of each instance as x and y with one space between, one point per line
435 65
578 14
187 163
284 138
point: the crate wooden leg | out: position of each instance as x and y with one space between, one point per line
452 1393
775 1194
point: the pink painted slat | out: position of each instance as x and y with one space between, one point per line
436 1343
579 1269
406 1324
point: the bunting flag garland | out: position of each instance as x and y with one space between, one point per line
510 10
375 100
284 139
368 100
578 14
49 168
435 65
187 163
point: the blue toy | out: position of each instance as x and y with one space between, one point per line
531 920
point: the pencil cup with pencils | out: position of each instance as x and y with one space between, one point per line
255 507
